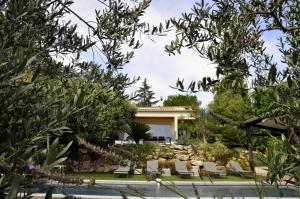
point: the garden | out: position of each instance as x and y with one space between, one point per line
64 98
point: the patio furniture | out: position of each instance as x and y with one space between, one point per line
236 168
138 171
168 140
61 168
123 170
118 142
211 168
161 139
166 172
152 167
182 169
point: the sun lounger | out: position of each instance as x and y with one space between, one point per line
123 170
152 167
211 168
236 167
182 169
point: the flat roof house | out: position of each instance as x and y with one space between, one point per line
164 120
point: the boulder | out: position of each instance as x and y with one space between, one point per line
168 155
177 147
196 163
85 165
99 169
189 147
109 168
182 157
180 153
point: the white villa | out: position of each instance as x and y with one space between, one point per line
163 120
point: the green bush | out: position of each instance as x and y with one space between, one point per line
139 131
187 140
138 152
217 152
229 135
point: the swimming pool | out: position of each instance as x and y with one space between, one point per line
156 190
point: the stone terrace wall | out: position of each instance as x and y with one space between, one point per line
193 155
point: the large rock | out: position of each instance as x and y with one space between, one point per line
177 147
196 163
190 151
182 157
109 168
85 165
189 147
168 155
99 168
180 153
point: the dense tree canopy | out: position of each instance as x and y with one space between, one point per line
263 101
194 130
104 114
231 105
44 84
235 107
144 95
230 34
47 91
182 100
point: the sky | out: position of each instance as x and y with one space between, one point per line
151 62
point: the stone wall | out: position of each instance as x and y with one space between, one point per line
193 155
88 163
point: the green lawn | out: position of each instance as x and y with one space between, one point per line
111 176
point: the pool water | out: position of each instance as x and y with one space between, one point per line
152 190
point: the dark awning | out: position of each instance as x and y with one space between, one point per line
273 124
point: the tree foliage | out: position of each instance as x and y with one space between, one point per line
139 131
43 83
230 34
262 101
182 100
105 114
231 105
196 129
144 95
283 162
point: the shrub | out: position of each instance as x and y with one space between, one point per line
137 152
217 152
139 131
187 140
229 135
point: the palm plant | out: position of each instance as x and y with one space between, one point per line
139 131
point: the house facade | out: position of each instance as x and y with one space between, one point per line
164 121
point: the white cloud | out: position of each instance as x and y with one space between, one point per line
162 70
151 61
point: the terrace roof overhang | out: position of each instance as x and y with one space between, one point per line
273 124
